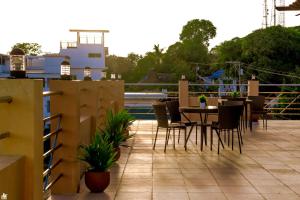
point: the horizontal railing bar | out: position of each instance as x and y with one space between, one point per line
50 93
216 84
4 135
51 150
151 84
142 113
46 137
272 98
52 117
279 92
282 108
53 182
272 85
47 171
291 114
83 105
6 99
282 103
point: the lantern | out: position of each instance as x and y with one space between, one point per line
253 77
119 76
113 76
87 74
182 77
17 63
65 70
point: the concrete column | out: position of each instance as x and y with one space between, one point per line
253 88
68 105
23 118
183 92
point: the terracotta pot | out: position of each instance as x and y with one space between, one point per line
97 181
118 151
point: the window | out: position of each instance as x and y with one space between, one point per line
94 55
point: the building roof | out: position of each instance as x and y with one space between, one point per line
292 7
87 30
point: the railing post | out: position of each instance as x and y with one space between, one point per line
183 92
69 106
253 88
23 119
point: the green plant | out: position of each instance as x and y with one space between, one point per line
234 94
116 125
202 98
99 155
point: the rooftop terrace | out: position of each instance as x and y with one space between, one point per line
268 168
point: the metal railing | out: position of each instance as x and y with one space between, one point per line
52 137
6 99
4 135
281 99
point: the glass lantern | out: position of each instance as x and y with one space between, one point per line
17 63
65 70
103 75
87 72
113 76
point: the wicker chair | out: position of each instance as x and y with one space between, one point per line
228 120
175 116
257 108
163 122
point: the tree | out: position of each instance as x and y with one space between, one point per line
32 49
198 30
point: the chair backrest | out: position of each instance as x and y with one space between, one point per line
258 102
233 103
229 116
161 115
173 108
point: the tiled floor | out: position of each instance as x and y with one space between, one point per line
268 168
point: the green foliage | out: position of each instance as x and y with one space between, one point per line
198 30
99 155
115 126
32 49
202 98
235 94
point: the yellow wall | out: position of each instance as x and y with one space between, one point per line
23 119
12 176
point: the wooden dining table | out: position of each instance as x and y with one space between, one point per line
202 111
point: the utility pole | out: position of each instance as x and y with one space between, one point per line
265 14
274 2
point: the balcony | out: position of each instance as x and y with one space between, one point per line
268 168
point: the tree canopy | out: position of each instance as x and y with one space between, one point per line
32 49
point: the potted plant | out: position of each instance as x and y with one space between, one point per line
100 156
115 128
202 100
234 94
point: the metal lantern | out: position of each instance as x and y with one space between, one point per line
17 63
119 76
253 77
65 70
113 76
182 77
87 72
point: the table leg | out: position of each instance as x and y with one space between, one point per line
188 136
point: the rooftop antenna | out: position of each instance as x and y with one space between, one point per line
274 13
265 14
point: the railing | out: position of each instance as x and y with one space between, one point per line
52 137
4 135
282 100
6 99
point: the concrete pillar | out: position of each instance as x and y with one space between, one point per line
183 92
23 119
253 88
68 105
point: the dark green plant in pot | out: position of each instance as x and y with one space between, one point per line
202 99
100 156
235 94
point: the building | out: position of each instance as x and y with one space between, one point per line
87 51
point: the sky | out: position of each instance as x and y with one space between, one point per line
134 25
